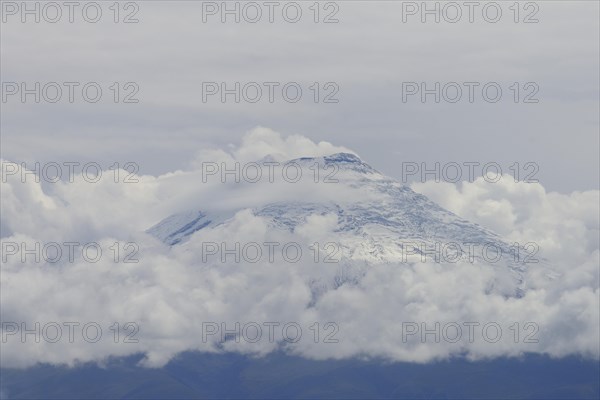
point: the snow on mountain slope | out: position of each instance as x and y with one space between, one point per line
179 227
377 219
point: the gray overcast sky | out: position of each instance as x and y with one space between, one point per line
368 54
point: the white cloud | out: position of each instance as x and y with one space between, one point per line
261 142
170 293
565 226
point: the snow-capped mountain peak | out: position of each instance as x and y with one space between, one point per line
377 220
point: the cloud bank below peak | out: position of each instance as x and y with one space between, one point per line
171 292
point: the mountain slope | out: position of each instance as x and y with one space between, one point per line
378 220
